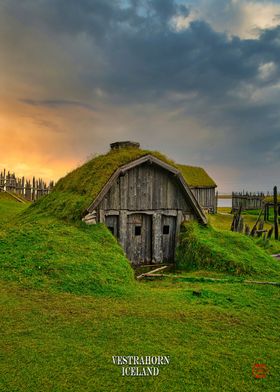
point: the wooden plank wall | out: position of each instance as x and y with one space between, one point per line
151 197
145 187
206 197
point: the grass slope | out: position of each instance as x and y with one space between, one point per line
9 207
5 195
223 222
73 194
210 249
43 252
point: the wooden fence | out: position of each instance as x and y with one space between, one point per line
249 200
30 190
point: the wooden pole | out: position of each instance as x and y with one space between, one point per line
256 224
216 203
275 212
268 212
152 273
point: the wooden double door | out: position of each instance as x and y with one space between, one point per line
141 237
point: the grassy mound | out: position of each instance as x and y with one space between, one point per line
9 206
73 194
10 196
47 253
6 196
209 249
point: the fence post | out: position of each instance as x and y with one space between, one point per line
275 212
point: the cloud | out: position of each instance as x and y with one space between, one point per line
206 92
242 18
137 55
57 103
267 70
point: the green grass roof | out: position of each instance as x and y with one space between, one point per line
196 176
73 193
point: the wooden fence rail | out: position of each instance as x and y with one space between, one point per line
30 190
248 200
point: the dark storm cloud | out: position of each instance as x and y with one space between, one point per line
131 52
143 53
195 59
95 17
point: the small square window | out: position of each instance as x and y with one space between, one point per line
165 229
137 230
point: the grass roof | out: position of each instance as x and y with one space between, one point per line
73 193
196 176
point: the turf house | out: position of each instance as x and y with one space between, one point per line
142 197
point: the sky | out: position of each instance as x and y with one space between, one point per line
198 80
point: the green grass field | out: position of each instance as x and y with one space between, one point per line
9 207
223 220
62 323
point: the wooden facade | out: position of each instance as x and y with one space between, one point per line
206 196
143 205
